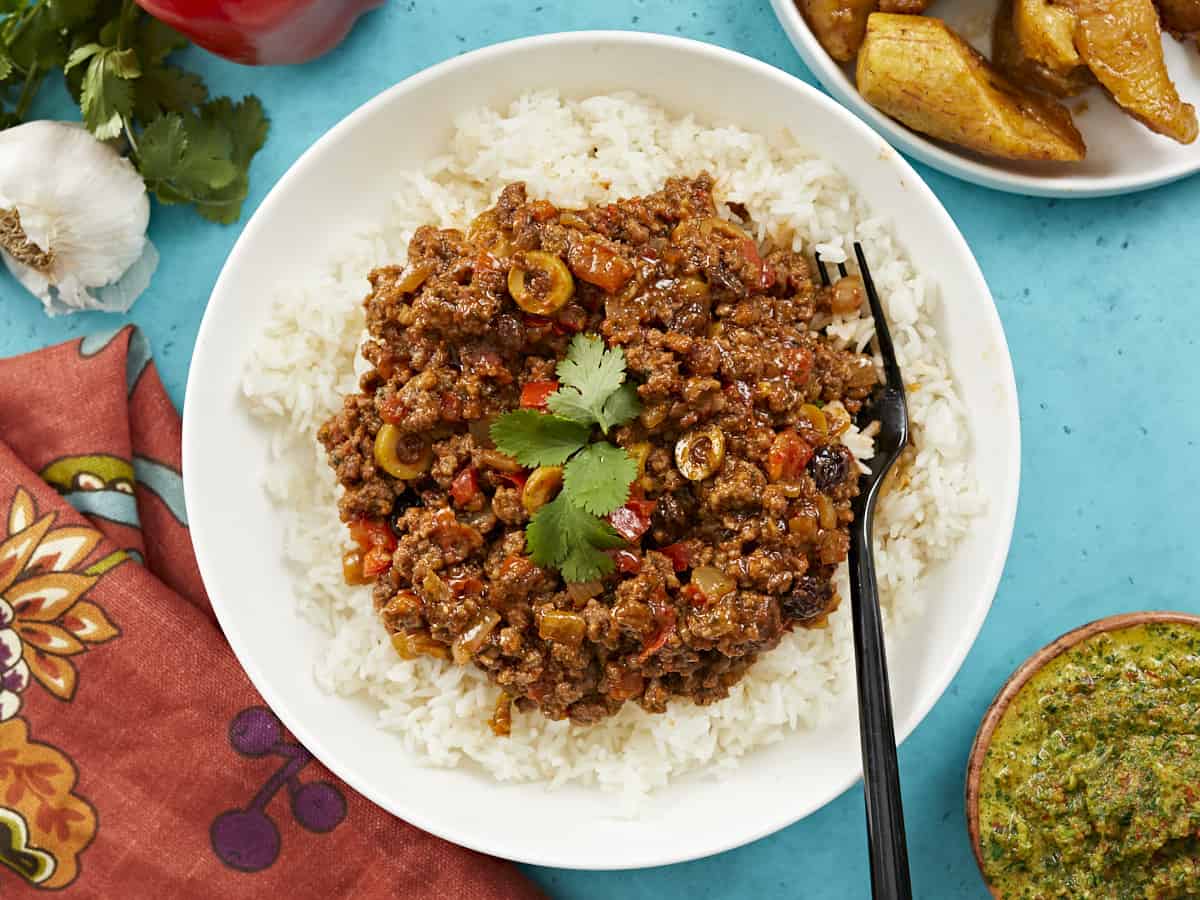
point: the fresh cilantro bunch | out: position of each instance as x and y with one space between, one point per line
188 148
569 533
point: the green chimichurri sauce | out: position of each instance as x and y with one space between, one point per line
1091 785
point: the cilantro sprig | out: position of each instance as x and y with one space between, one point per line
569 533
116 61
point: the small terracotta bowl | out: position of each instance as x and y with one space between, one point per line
1027 669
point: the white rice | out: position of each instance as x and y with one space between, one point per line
574 154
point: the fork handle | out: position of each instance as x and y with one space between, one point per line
887 846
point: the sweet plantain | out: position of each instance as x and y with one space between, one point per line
838 24
921 72
1009 55
1046 32
1120 41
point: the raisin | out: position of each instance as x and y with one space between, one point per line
809 599
829 467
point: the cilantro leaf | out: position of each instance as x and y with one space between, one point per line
82 54
588 376
536 439
107 97
597 478
166 89
622 406
571 539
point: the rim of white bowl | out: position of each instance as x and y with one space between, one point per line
313 740
953 163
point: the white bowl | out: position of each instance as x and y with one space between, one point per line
335 186
1123 155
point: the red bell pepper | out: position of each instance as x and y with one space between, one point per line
534 394
679 555
371 533
632 520
262 32
465 486
626 561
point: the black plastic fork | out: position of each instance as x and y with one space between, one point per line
886 841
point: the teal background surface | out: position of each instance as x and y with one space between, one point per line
1099 303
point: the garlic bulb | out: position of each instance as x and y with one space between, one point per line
73 216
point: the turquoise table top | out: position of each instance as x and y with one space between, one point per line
1098 300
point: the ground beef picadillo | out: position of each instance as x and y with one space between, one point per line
718 335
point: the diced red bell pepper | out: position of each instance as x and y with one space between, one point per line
679 555
535 394
632 520
376 561
465 486
788 456
371 533
626 561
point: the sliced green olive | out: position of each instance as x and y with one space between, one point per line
699 454
541 488
640 452
540 283
403 456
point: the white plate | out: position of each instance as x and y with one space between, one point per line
339 184
1123 155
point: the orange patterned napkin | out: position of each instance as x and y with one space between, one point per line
136 759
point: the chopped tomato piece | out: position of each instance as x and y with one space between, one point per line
694 595
465 486
370 533
788 456
535 394
376 561
627 562
679 555
632 520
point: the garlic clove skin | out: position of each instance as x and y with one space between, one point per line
75 214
